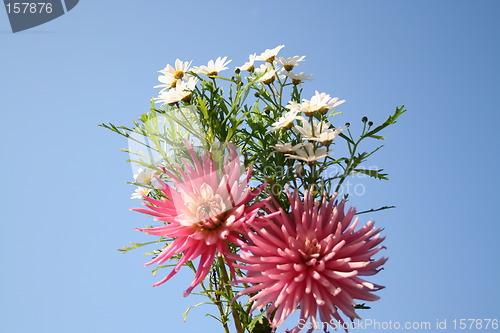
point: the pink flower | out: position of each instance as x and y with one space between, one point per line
206 212
313 258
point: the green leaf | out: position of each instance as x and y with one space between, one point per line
375 210
184 315
373 173
391 120
377 137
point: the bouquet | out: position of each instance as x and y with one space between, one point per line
244 178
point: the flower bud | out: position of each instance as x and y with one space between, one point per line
364 119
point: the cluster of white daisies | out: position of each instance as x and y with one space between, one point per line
177 85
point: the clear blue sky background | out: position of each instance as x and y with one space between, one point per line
64 203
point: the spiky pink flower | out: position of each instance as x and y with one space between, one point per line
206 211
311 257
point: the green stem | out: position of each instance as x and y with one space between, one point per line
218 303
229 290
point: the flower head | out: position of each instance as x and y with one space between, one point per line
172 74
268 73
285 122
249 65
320 102
286 147
297 79
320 131
146 178
309 153
270 54
289 63
213 67
208 210
312 257
140 192
180 93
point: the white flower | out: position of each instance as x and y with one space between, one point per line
294 106
297 79
249 65
140 192
268 73
320 131
289 63
286 147
269 54
285 122
181 93
145 176
307 131
321 103
309 154
326 137
213 67
173 74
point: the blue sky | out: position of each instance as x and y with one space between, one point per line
64 207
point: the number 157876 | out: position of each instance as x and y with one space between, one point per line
29 7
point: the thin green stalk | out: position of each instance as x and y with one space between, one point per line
229 290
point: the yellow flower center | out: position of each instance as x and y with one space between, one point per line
323 110
287 125
178 75
269 81
270 59
309 112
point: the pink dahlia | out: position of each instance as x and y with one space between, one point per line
207 210
313 258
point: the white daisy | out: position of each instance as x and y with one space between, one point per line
268 73
213 67
321 103
308 131
297 79
285 122
286 147
249 65
173 74
320 131
140 192
289 63
308 153
326 137
180 93
270 54
145 176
